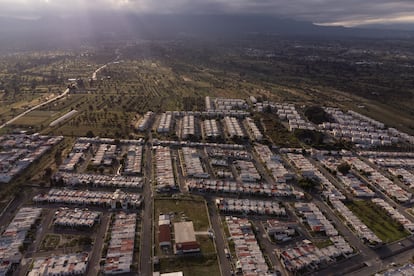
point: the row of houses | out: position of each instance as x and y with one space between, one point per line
226 104
316 221
307 257
405 176
360 228
390 162
165 180
233 127
288 112
114 200
408 225
355 185
19 151
145 121
273 163
407 269
264 106
389 187
97 180
14 236
371 121
279 231
350 181
99 140
76 156
60 265
188 127
245 188
211 129
76 218
308 170
250 259
384 154
247 171
133 162
226 153
193 166
364 132
72 161
253 130
120 254
157 142
105 155
250 206
305 167
212 114
165 123
379 180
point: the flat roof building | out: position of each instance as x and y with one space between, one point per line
185 239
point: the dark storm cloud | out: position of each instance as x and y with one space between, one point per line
348 12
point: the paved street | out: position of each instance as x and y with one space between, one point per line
220 240
146 251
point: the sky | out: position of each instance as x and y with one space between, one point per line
325 12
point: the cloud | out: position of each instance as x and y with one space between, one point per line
328 12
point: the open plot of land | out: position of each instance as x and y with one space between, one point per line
185 208
200 266
36 117
58 241
275 130
194 209
377 220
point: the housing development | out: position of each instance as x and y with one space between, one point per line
211 190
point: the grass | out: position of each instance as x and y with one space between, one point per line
322 243
377 220
193 208
54 241
278 134
200 265
36 117
50 242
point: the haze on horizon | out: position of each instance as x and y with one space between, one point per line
348 13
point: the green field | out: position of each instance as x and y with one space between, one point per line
188 208
193 208
37 117
199 266
377 220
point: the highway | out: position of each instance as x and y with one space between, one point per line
35 107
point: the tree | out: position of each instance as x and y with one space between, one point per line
308 183
90 134
344 168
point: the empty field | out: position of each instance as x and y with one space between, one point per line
377 220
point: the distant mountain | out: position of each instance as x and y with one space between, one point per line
392 26
55 32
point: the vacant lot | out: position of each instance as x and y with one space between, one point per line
200 266
377 220
194 209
